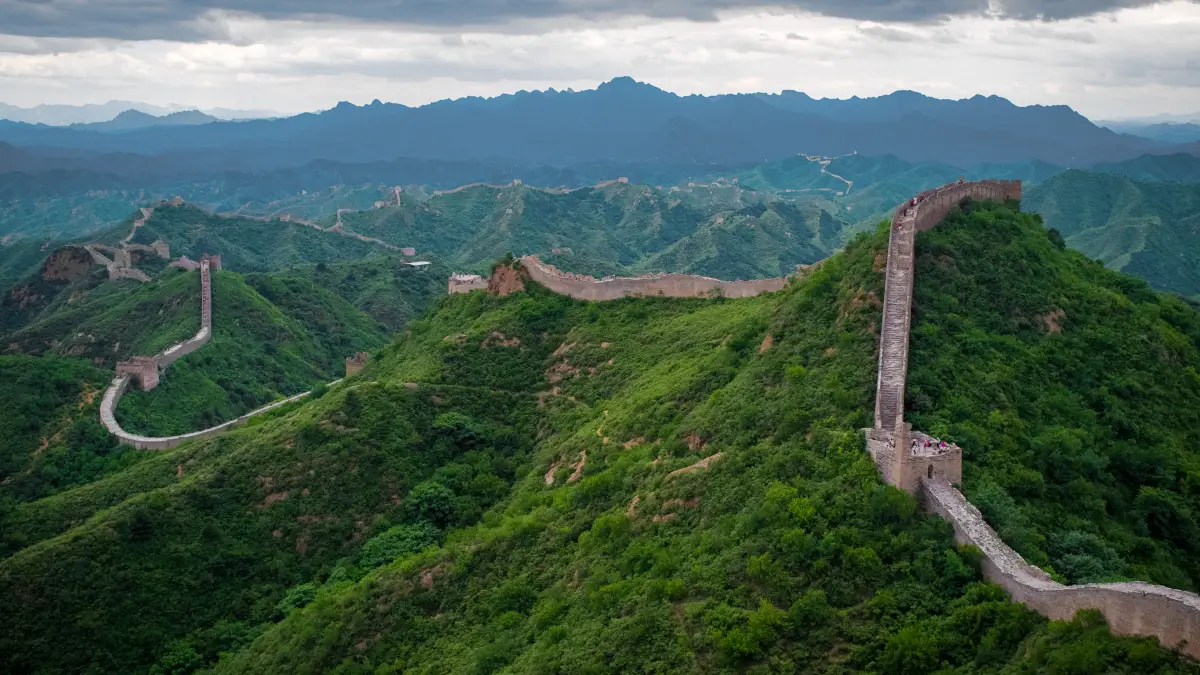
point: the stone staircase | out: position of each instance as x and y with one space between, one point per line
897 308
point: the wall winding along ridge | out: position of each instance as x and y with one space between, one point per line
584 287
145 369
1131 608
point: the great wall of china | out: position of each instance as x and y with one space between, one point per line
583 287
907 459
901 454
145 370
1131 608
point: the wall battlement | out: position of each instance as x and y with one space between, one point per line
1132 608
584 287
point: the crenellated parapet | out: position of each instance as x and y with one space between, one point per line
925 466
585 287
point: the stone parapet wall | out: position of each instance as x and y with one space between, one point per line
113 396
143 366
585 287
1131 608
116 272
465 283
930 208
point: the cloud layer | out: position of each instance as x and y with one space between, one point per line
201 20
1132 61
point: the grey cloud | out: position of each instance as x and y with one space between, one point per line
191 20
796 36
1051 10
889 34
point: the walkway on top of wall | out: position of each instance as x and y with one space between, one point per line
1131 608
112 397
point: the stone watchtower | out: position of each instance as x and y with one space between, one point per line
354 364
143 368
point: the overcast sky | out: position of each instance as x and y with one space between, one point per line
1106 58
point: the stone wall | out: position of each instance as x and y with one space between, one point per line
354 364
930 208
585 287
143 366
465 283
117 389
1133 608
144 369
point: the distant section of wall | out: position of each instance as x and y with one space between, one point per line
185 263
465 283
354 364
668 285
906 460
147 368
115 272
117 389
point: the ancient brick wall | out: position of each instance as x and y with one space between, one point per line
668 285
142 368
1131 608
465 283
136 366
1135 608
354 364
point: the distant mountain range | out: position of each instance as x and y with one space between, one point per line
135 119
1166 132
619 122
91 113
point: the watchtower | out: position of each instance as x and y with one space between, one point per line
355 363
142 368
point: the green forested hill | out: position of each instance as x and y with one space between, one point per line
245 244
52 436
620 227
536 484
1143 228
272 337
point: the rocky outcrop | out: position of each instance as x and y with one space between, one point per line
505 280
69 263
931 470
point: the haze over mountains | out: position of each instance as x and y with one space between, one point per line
621 121
91 113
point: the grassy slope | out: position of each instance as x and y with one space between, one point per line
785 555
110 321
1081 444
52 440
383 287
